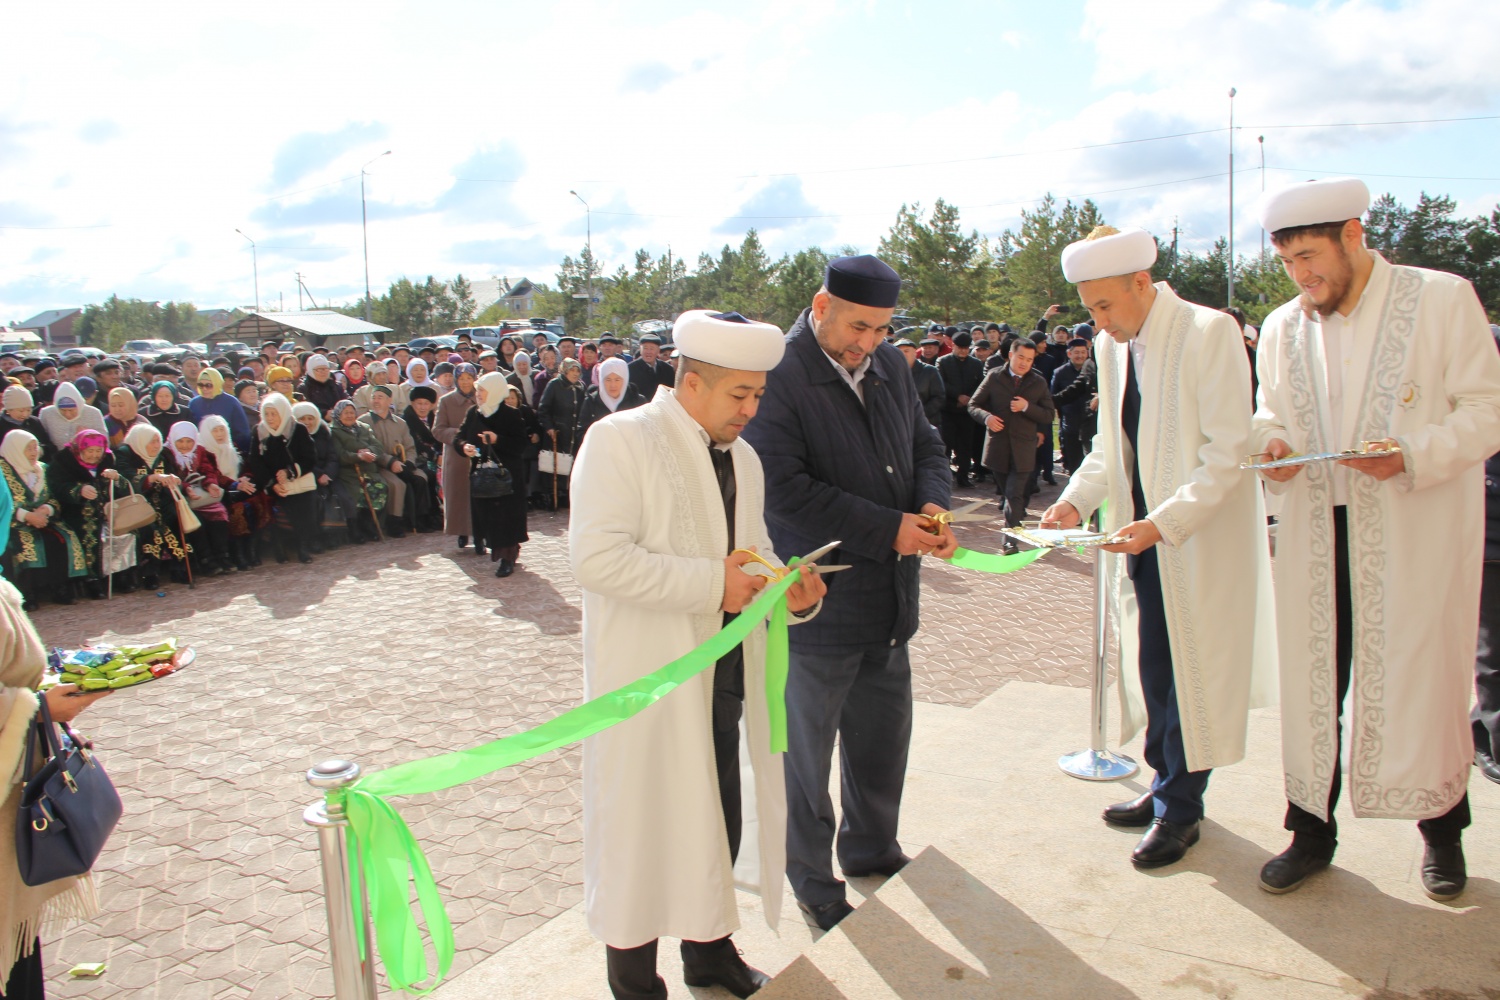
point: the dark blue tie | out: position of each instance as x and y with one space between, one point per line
1130 423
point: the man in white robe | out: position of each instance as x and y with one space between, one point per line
653 544
1378 559
1197 642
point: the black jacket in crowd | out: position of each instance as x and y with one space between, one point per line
961 376
559 409
594 410
930 391
323 395
1072 414
646 379
1080 388
841 469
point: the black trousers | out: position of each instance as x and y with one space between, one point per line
958 435
1486 714
26 981
1071 443
632 971
1310 833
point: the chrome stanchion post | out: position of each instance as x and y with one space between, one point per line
1097 763
353 977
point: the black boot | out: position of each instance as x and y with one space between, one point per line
632 973
719 963
94 588
463 540
64 594
394 527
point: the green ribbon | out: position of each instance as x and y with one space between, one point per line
384 854
988 562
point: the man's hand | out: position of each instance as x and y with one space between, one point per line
1138 537
915 538
995 424
1277 449
1382 468
1061 515
947 540
1094 403
807 591
1040 437
324 479
740 587
396 467
1017 404
1052 310
963 400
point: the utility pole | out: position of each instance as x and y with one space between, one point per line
1231 196
669 279
299 290
364 225
255 269
589 246
1262 140
1174 242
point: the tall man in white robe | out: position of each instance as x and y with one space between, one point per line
1378 559
1197 644
652 542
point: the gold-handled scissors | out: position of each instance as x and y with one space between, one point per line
759 566
962 515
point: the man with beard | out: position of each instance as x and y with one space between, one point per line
1379 559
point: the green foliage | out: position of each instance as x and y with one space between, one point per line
1029 274
463 301
945 274
109 324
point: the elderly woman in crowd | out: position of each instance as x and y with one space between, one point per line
407 510
245 508
416 375
279 379
376 374
204 487
281 465
336 509
319 387
451 410
143 462
212 400
419 415
248 393
558 413
499 427
43 555
18 416
124 413
79 479
355 377
28 909
444 374
526 380
163 409
360 461
614 393
68 415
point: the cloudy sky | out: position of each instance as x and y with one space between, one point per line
136 138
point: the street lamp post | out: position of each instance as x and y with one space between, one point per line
1231 196
364 225
588 224
1262 140
254 269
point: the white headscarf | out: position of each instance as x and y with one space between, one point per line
14 453
225 455
496 388
141 435
426 373
306 409
614 366
528 387
179 430
275 401
61 429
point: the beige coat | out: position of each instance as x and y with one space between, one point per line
451 409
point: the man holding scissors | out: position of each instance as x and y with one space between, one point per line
1195 595
1379 558
849 454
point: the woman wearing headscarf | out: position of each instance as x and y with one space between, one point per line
283 452
336 509
444 373
558 413
451 409
588 358
124 413
355 377
524 379
163 409
419 416
25 910
18 415
245 510
213 400
416 375
68 415
614 393
79 479
360 462
319 387
204 487
143 462
499 427
43 554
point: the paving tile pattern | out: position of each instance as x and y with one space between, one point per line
383 654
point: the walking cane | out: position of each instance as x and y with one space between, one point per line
187 557
368 502
109 592
554 469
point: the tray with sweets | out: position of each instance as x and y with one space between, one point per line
103 667
1032 533
1366 449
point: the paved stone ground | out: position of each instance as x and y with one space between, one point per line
384 654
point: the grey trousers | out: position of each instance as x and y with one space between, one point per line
862 696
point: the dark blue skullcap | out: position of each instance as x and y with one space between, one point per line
734 317
863 280
962 339
1077 342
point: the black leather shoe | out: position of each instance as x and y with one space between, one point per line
1444 873
1487 766
1290 869
1136 812
463 540
888 869
1164 844
506 568
827 915
722 965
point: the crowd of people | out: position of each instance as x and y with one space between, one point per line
230 460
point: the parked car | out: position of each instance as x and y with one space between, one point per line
228 347
197 347
151 348
418 344
489 336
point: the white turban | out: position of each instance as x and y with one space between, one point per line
728 340
1314 203
1122 253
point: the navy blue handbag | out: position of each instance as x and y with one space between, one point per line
69 806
